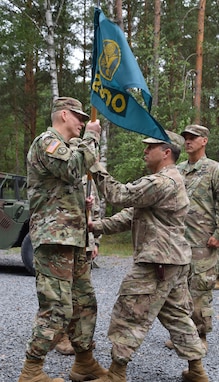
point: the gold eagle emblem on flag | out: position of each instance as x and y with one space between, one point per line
109 59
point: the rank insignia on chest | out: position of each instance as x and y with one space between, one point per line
53 146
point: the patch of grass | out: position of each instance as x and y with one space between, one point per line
11 251
119 244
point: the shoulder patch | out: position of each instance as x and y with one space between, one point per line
62 150
53 146
47 140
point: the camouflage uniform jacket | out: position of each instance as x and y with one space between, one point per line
55 188
160 204
202 184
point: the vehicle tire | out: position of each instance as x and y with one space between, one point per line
27 254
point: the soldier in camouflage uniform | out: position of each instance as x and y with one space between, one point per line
93 242
201 177
156 207
64 345
58 233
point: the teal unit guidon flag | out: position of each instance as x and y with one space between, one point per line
115 72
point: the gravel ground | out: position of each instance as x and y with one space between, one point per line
18 304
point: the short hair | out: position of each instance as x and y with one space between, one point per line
175 151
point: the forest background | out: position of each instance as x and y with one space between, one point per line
46 51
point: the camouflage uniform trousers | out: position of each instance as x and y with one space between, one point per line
201 286
142 298
66 299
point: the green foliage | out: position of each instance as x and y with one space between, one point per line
125 155
22 35
119 244
212 149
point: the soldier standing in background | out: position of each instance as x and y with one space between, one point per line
58 233
201 178
157 284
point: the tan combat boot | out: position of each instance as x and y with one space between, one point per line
196 372
64 346
169 344
86 367
117 373
32 372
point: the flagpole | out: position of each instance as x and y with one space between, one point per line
93 119
93 114
89 176
93 109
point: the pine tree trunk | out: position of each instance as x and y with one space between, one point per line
30 104
157 9
51 50
199 59
118 12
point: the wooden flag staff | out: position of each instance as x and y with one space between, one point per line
93 114
89 176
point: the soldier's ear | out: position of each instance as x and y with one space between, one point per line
167 151
64 115
205 141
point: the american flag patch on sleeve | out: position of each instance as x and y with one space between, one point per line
53 146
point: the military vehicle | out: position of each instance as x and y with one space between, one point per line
14 217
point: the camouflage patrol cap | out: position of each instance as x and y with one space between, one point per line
176 139
67 103
198 130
